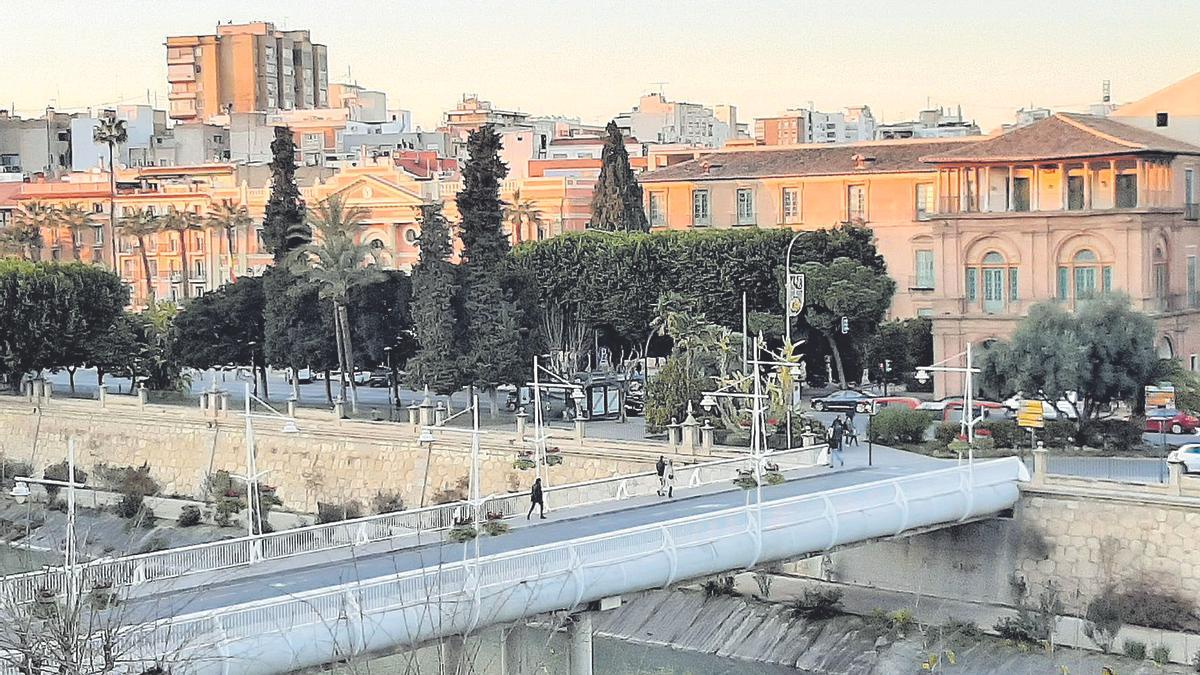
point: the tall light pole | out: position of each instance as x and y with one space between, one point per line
253 501
427 438
20 492
968 371
539 418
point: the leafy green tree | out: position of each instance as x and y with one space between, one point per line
434 310
161 365
140 224
217 328
118 351
849 289
336 263
1104 353
906 343
98 297
617 200
489 324
298 325
229 218
23 237
1186 383
381 317
671 390
284 226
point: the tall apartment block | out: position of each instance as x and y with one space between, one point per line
248 67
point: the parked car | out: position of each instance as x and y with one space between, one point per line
1063 408
360 377
380 377
843 401
897 402
989 410
303 375
1169 420
1187 455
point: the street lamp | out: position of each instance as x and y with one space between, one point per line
968 371
20 493
576 394
253 373
387 355
252 473
426 437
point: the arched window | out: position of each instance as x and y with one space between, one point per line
1083 276
999 281
1162 280
410 235
377 244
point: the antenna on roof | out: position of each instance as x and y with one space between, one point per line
660 87
1107 89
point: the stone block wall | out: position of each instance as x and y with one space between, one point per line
326 461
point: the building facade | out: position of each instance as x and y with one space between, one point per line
931 123
33 146
795 127
975 231
657 120
250 67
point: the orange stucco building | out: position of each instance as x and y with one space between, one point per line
976 231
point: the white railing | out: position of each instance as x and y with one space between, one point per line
460 596
213 556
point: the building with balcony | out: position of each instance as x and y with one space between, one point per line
250 67
656 120
931 123
31 146
795 127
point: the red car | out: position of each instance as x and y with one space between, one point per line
896 402
1168 420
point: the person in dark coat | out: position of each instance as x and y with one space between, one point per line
536 500
835 442
660 467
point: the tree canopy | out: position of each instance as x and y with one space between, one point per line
217 328
617 199
434 310
283 223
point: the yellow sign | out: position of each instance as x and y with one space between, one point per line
1031 415
1160 397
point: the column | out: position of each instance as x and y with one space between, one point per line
1035 189
1009 197
1112 183
451 652
985 190
1143 188
581 644
1062 187
1087 186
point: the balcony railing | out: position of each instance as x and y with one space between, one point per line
916 283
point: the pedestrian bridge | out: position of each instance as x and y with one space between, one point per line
312 616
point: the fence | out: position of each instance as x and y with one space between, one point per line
1122 469
213 556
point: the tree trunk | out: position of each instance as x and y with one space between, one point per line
837 359
349 347
71 379
341 354
493 402
184 261
262 368
146 270
296 385
229 246
74 247
328 388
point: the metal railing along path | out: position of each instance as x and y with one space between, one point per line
396 611
231 553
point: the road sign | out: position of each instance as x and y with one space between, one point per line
845 325
1162 396
795 294
1031 415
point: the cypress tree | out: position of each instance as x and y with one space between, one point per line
617 201
434 318
489 327
284 228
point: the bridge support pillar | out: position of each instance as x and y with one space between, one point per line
510 649
452 656
581 644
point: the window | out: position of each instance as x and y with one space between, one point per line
153 268
1161 278
127 269
999 283
410 235
658 212
972 284
97 235
198 270
1160 119
1191 211
1127 191
1083 277
1020 194
791 205
700 211
262 242
1074 193
856 202
97 207
925 272
1193 289
745 206
925 313
376 244
925 205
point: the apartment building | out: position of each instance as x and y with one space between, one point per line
803 125
932 123
250 67
976 231
34 145
657 120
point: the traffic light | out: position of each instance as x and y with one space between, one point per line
845 325
887 365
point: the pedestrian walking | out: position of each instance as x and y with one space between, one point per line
851 431
660 467
536 500
836 431
669 479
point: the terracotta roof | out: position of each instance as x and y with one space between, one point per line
1065 136
8 194
901 156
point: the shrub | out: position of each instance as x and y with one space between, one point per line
189 516
817 603
129 506
746 482
61 472
773 478
722 585
1150 608
1112 434
227 507
10 468
554 460
1134 649
1104 617
127 479
900 425
1005 433
221 484
1161 654
155 543
1023 628
669 392
946 433
495 528
523 464
958 628
461 533
387 501
332 513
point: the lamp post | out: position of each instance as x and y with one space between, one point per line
968 371
20 493
387 355
252 472
427 438
253 372
539 417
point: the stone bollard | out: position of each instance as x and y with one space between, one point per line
522 420
47 389
103 394
204 402
426 409
1039 464
291 407
143 396
673 435
706 437
414 412
690 434
224 403
1175 478
439 415
339 409
580 430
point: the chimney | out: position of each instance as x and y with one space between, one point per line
862 162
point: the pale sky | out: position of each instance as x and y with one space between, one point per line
593 59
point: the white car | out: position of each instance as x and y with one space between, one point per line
1187 455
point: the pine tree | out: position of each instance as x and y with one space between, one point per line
617 201
284 227
434 317
489 323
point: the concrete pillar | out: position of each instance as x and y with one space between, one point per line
522 421
1112 183
143 396
690 433
291 407
1087 186
1175 478
413 418
103 394
581 644
339 409
673 435
580 430
224 406
47 389
439 415
426 410
1039 464
706 437
203 402
451 649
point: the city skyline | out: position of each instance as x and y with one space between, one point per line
640 47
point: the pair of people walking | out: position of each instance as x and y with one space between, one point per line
666 476
834 436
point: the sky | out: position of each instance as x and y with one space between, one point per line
593 59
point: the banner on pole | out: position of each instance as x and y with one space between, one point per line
795 294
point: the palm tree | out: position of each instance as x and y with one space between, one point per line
140 224
75 220
182 222
520 212
230 218
24 236
336 263
111 132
